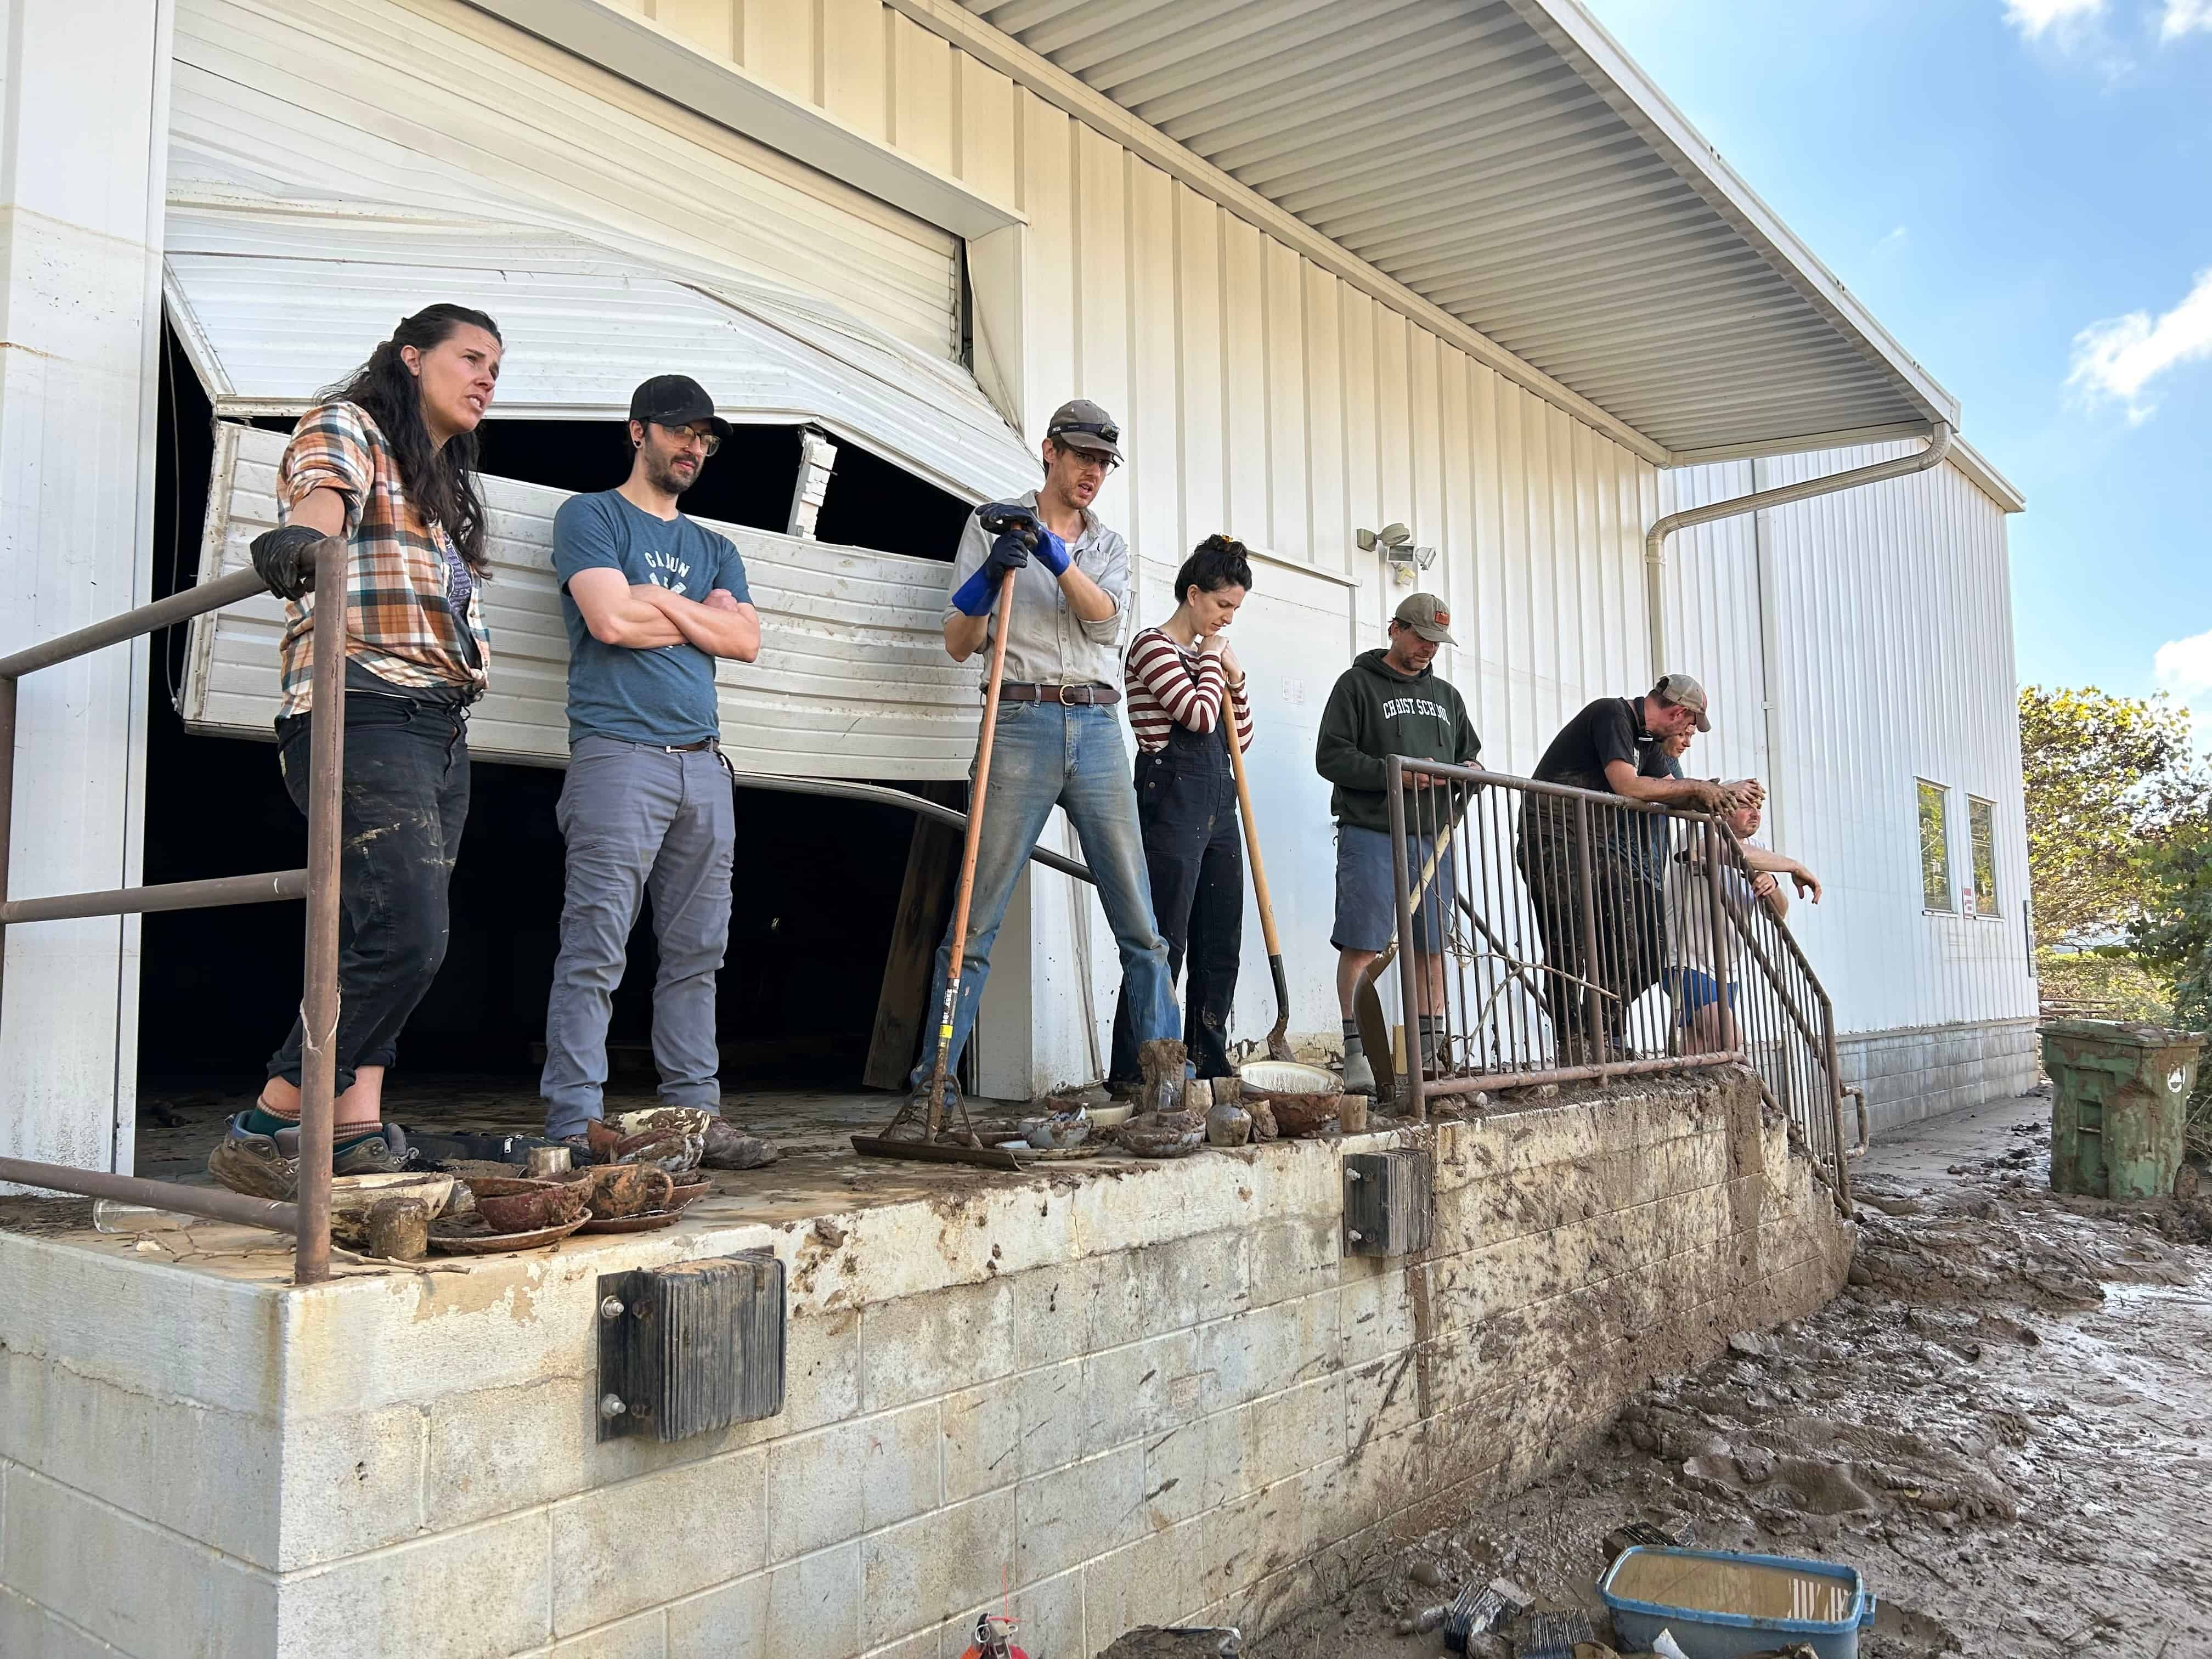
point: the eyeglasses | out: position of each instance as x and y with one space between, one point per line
708 439
1111 434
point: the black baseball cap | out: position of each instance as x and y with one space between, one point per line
676 400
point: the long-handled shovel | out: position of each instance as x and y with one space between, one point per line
973 1151
1279 1044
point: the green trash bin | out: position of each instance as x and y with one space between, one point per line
2120 1102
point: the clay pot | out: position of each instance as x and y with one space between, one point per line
1303 1114
619 1189
1228 1125
520 1206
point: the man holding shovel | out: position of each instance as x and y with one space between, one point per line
1055 739
1388 702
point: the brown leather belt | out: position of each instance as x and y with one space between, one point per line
1077 695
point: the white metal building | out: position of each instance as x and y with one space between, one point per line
1438 261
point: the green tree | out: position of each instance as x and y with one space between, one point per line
2107 779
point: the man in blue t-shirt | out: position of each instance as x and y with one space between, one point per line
651 599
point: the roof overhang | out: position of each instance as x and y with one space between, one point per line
1506 163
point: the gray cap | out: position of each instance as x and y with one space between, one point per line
1684 692
1424 613
1081 424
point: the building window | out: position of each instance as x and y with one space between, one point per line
1936 847
1982 826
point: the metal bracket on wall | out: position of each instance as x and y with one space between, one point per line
1390 1202
692 1347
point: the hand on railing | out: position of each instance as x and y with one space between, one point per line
285 558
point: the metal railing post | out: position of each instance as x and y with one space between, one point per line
1594 1042
1409 980
318 1002
1841 1165
8 685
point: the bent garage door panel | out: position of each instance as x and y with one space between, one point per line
852 680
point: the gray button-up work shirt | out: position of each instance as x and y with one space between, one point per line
1047 644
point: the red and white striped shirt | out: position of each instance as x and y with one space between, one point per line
1170 684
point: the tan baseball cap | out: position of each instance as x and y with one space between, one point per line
1081 424
1426 615
1685 691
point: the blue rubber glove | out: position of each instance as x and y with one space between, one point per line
976 596
1051 552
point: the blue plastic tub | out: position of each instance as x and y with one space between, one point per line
1815 1587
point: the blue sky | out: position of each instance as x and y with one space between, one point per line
2021 192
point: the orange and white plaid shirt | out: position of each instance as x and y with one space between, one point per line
400 625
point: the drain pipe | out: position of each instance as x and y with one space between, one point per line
1655 539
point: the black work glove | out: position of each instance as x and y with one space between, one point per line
285 559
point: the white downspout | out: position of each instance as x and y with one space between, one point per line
1655 539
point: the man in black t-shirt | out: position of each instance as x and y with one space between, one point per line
1618 746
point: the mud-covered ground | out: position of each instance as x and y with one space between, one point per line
2005 1423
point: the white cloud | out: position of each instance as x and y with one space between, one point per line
2185 667
2184 16
2118 359
1899 236
2032 18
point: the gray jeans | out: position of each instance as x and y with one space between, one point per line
639 820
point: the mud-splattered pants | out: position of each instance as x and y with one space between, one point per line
639 820
1194 853
406 796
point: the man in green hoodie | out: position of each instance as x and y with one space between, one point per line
1388 702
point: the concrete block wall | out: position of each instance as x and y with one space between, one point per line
1153 1395
1924 1071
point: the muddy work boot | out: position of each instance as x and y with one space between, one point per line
268 1165
253 1163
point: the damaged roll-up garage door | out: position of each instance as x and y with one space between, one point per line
852 680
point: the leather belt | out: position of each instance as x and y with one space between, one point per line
1079 695
680 748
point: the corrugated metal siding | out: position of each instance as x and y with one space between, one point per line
852 680
287 301
1476 154
1895 662
1712 621
437 107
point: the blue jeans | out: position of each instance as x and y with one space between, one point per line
1042 755
639 820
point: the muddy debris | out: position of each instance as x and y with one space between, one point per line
2003 1422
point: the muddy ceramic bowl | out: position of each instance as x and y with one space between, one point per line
1303 1114
620 1189
516 1205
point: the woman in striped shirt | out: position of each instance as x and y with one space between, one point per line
1181 675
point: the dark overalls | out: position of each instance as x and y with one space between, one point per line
1187 807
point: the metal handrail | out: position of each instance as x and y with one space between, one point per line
1607 943
308 1219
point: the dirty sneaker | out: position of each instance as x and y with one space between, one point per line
913 1121
252 1164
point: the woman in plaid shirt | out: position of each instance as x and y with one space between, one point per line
388 462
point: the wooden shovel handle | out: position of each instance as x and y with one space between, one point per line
1251 827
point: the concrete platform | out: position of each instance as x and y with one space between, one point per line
1112 1393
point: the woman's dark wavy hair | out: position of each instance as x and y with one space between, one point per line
1217 562
441 483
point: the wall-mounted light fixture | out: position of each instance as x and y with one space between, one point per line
1406 561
